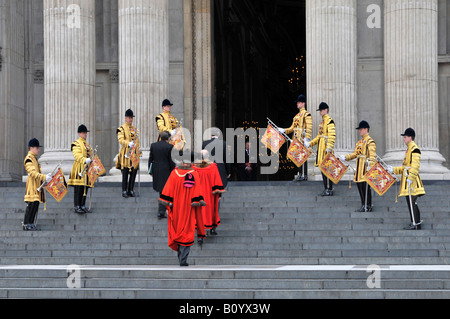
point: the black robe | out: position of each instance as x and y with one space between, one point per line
163 165
224 167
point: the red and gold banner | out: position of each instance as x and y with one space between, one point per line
135 156
273 139
333 168
178 141
298 153
379 179
57 187
95 170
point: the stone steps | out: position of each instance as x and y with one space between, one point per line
283 224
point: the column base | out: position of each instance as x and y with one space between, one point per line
431 164
115 175
49 160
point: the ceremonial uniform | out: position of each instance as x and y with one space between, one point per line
82 153
365 150
128 135
183 199
325 141
410 171
35 179
302 129
165 121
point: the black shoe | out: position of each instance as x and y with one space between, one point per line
327 192
162 217
361 210
87 211
34 228
200 241
299 178
27 227
79 211
213 232
184 265
412 227
125 194
131 194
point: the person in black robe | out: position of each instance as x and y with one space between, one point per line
211 146
161 166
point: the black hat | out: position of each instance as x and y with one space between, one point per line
34 143
82 129
301 99
323 106
409 132
363 124
189 181
166 103
129 113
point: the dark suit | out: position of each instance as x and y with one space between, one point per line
162 167
224 167
246 174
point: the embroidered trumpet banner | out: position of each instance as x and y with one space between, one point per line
273 139
57 187
178 141
379 179
333 168
95 170
298 153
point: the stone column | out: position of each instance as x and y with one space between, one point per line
12 81
331 52
202 67
143 63
69 70
143 66
331 49
411 81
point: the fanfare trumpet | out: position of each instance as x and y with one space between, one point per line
53 174
86 167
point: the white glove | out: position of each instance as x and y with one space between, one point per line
328 150
131 144
342 158
390 169
48 178
282 130
307 140
368 167
409 181
307 144
172 134
88 161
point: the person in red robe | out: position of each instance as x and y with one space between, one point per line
212 188
183 199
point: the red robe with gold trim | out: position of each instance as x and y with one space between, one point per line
212 187
184 208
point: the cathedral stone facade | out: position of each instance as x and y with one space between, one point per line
69 62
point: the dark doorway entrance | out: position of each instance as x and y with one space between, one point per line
260 65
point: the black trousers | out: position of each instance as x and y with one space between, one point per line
183 253
161 208
31 213
303 170
128 179
415 209
79 200
362 193
327 184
